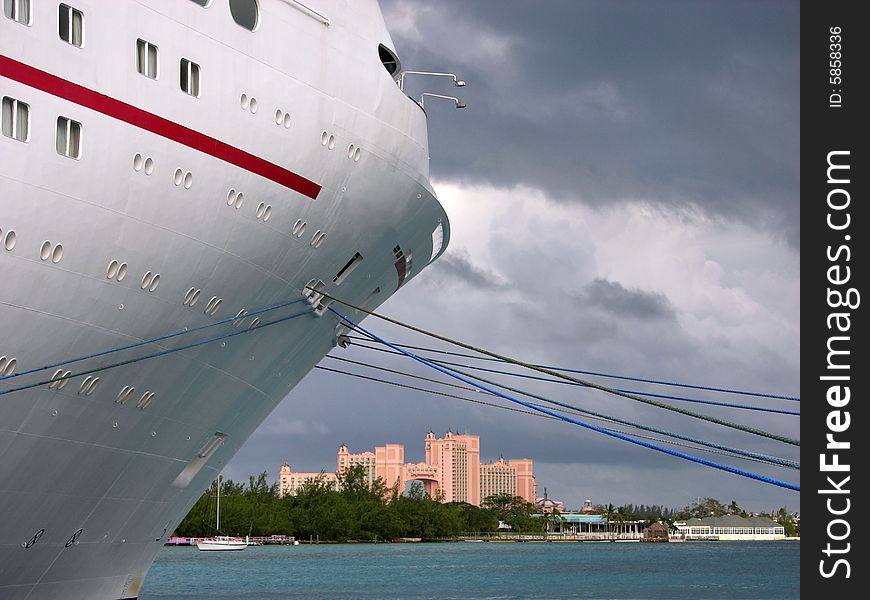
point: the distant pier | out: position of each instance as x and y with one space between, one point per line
270 540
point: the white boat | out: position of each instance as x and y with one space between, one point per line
222 542
168 165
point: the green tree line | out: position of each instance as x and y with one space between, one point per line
703 507
356 511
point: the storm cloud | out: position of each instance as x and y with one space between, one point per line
625 303
685 103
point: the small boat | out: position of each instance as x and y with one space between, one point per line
221 542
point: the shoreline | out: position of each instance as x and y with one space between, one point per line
496 541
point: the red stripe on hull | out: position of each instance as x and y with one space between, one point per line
155 124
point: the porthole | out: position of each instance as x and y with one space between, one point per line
350 151
210 304
148 166
357 154
240 317
122 271
138 162
286 120
154 283
254 324
9 240
45 250
191 297
267 213
10 366
112 270
146 279
253 106
261 208
324 138
92 386
243 101
55 380
57 254
319 240
2 365
279 116
83 388
240 199
297 226
245 13
145 400
231 197
214 308
331 142
178 176
188 180
62 383
124 394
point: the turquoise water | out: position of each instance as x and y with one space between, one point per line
463 571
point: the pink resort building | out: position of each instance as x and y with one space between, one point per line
452 468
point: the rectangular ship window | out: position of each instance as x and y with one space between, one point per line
17 10
348 268
190 77
16 119
146 58
69 138
70 25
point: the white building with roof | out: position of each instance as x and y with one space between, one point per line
731 527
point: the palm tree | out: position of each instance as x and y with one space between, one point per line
620 517
609 514
669 521
551 518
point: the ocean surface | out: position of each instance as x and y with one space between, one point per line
477 571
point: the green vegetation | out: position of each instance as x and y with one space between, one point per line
652 512
375 513
704 507
514 512
356 512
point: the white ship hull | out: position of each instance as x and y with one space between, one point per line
94 477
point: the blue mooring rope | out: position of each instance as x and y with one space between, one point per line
689 457
745 453
566 382
150 341
156 354
616 376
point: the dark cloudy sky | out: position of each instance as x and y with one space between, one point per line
623 190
